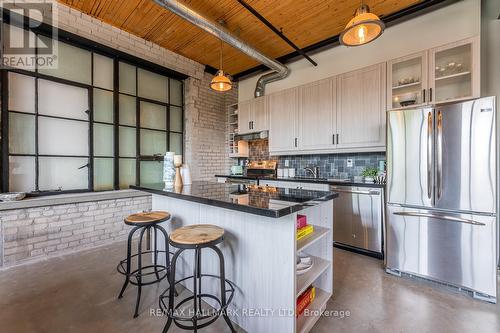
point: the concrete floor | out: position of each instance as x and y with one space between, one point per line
77 293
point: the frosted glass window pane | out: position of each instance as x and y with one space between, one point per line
127 78
153 116
127 142
16 41
127 172
175 92
62 100
62 137
103 71
62 173
21 133
73 63
21 173
176 143
151 172
153 142
127 110
103 105
21 93
152 86
103 174
103 140
175 119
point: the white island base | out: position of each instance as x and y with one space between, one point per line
259 255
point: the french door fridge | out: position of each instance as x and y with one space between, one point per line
441 195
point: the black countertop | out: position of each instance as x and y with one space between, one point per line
307 180
265 201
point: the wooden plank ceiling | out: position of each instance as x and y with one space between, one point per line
305 22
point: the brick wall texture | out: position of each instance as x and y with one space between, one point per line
35 233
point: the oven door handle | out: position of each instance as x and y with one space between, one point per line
442 217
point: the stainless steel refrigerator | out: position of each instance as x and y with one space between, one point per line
441 195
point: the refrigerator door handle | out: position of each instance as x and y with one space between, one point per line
439 148
429 155
442 217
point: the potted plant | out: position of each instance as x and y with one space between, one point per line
369 174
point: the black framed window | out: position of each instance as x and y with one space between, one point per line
100 121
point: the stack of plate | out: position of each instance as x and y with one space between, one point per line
304 263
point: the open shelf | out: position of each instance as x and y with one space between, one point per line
305 280
452 76
307 241
305 323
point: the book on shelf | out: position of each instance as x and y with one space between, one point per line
301 221
303 232
305 299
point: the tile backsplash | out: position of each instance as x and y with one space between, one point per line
330 165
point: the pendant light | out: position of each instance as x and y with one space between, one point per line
220 81
363 28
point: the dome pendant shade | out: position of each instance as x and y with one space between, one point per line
363 28
221 82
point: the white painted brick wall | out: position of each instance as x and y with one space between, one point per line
206 131
34 233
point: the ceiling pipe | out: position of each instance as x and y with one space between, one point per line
280 71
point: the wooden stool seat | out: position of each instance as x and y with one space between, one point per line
197 234
146 218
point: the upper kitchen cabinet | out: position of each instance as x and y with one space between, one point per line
252 116
407 83
317 115
454 71
283 116
444 74
361 109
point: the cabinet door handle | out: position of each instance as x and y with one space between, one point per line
423 95
430 94
249 125
337 138
333 138
295 142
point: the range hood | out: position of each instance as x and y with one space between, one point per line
252 136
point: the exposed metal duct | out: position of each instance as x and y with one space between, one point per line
280 71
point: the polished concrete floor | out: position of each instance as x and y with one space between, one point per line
77 293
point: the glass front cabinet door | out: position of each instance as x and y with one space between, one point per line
454 71
407 81
443 74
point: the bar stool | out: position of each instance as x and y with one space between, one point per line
143 276
197 237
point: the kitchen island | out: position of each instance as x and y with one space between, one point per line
259 247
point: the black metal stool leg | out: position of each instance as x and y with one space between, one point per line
171 281
196 277
223 286
167 255
198 263
155 254
129 259
139 272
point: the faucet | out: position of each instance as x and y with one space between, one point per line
313 170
